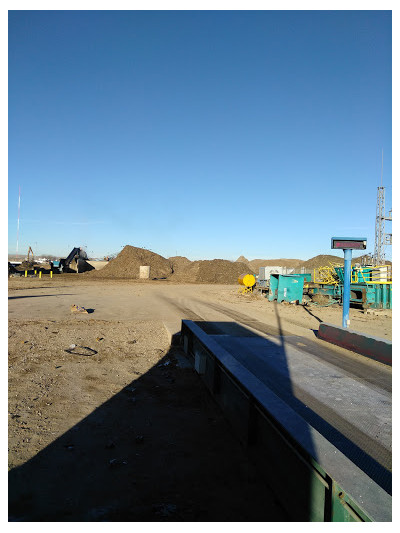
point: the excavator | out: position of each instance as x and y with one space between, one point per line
30 251
29 261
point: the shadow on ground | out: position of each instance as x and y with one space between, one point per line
39 296
159 450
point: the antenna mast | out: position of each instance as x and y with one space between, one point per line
381 238
19 204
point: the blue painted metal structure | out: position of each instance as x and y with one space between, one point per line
346 288
347 244
369 295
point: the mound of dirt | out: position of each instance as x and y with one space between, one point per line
126 265
322 260
212 271
241 259
255 264
178 263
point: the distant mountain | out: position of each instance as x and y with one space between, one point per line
241 259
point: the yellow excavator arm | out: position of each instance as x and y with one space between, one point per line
30 251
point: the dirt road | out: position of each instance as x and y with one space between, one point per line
124 300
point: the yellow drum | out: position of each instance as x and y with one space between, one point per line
248 280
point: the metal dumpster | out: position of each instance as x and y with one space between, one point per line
287 288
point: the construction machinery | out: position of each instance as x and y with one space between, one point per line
30 251
370 286
76 261
29 261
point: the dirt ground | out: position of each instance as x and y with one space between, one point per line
107 422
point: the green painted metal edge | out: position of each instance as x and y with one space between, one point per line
337 505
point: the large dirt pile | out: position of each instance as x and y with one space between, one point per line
255 264
126 265
241 259
213 271
322 260
179 263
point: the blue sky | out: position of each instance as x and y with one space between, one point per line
208 134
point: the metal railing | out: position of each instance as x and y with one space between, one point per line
333 274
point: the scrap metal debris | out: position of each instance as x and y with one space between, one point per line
78 309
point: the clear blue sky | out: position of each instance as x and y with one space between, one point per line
208 134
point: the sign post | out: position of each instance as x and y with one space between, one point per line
347 244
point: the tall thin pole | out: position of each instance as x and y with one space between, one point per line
19 206
346 288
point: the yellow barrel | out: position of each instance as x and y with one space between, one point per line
248 280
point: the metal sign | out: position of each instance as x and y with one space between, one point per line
344 243
347 244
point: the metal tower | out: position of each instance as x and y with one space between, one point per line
381 238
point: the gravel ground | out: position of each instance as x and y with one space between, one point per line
115 430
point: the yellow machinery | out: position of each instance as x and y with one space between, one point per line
30 251
248 281
326 274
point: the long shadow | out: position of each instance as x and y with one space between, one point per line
312 314
38 296
39 287
161 450
158 450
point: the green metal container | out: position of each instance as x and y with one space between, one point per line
287 287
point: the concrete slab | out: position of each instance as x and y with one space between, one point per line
368 345
173 329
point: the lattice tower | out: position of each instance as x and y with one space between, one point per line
379 252
382 239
